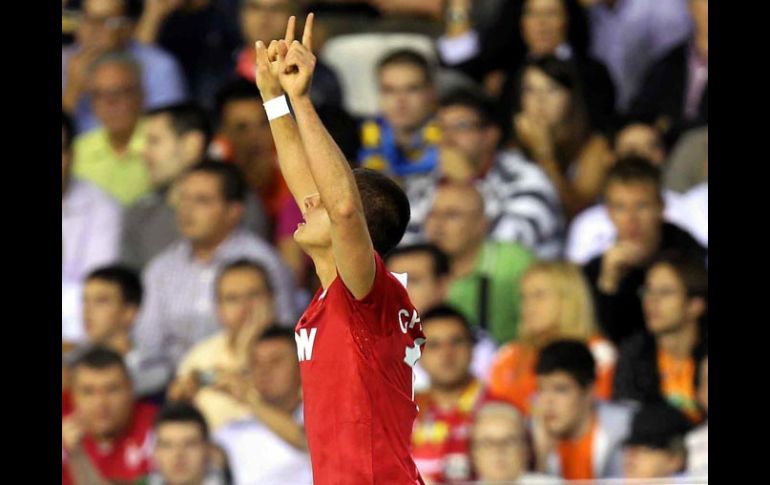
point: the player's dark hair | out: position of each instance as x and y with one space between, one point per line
232 183
634 169
571 357
127 280
443 310
181 412
186 118
440 259
99 358
386 208
245 263
410 57
69 129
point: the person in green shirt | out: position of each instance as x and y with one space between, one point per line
484 275
111 156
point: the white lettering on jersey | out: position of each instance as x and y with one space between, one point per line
305 343
411 356
402 322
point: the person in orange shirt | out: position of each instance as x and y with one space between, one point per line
555 303
575 436
661 362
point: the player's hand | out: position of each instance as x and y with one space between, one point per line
268 64
296 68
72 431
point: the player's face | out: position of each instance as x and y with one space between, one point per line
542 98
264 20
104 311
180 453
543 25
406 97
104 399
665 302
640 140
447 353
462 129
564 403
499 448
315 230
242 296
163 152
275 370
540 305
203 214
245 125
636 212
645 462
456 221
425 288
116 97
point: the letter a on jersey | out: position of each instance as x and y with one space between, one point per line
305 343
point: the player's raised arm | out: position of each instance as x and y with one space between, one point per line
351 243
291 154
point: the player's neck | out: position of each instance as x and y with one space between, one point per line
325 267
447 397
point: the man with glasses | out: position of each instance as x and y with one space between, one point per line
106 27
440 439
111 156
519 198
662 362
635 206
484 275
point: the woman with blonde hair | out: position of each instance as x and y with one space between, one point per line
556 304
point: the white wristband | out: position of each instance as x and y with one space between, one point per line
276 107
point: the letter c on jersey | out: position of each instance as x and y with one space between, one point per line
403 323
305 343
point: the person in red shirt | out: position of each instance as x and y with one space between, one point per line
107 436
360 337
441 435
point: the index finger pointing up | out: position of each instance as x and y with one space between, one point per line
307 35
290 29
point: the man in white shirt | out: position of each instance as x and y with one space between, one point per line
270 446
91 224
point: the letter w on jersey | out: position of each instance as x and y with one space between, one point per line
305 343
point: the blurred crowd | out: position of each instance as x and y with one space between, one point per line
555 156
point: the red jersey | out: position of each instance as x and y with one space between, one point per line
441 438
129 456
356 359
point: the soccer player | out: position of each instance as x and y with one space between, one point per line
360 337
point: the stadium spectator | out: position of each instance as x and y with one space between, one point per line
484 275
182 450
687 165
556 304
177 138
111 156
108 435
576 437
662 362
200 34
540 28
245 309
553 129
519 198
500 447
107 27
655 448
634 204
675 88
90 227
112 297
403 140
697 440
265 20
440 441
179 283
628 36
268 447
591 232
245 140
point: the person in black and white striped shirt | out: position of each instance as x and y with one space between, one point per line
520 201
